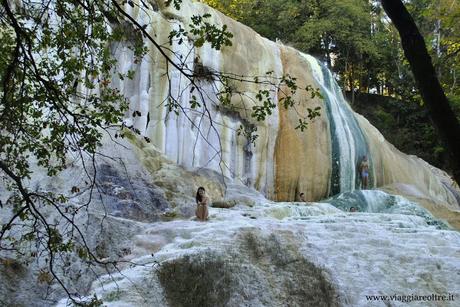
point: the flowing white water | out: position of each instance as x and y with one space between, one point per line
348 142
375 201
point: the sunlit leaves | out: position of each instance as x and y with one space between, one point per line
173 105
47 113
209 32
266 107
273 91
179 34
202 31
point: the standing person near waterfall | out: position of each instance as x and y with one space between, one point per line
364 171
201 204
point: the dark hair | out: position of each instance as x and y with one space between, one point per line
301 194
198 196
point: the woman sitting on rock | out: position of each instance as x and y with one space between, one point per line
201 204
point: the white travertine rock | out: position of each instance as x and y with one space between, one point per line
290 254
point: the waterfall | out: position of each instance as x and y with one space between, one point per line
347 139
322 162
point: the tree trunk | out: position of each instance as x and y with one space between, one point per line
440 111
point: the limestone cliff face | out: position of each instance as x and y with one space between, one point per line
320 161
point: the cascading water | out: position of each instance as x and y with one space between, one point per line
348 142
375 201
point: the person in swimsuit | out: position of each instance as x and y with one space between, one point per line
364 171
201 204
